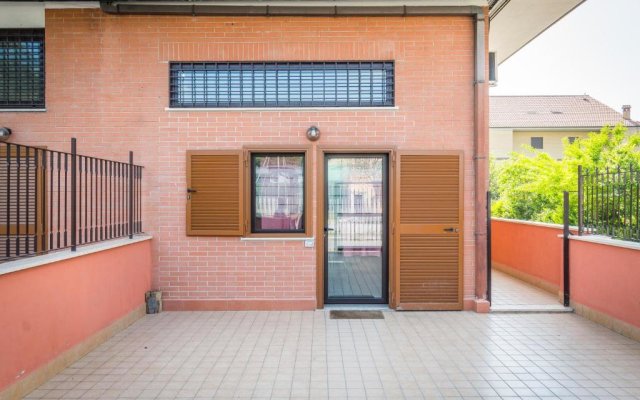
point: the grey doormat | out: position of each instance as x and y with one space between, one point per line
355 314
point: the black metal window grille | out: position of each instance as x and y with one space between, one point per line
53 200
281 84
537 143
21 68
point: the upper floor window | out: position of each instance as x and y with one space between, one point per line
281 84
21 68
537 142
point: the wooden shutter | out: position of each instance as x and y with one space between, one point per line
23 194
429 231
215 184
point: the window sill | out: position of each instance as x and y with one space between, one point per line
23 109
275 238
282 109
61 255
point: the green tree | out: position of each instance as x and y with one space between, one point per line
531 187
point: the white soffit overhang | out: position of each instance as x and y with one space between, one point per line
16 14
30 14
514 23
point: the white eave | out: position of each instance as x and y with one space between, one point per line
30 14
294 7
25 14
514 23
308 3
16 14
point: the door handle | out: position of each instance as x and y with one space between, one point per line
189 192
452 230
328 229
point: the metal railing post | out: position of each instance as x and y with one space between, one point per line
580 201
565 250
74 222
8 202
489 247
131 195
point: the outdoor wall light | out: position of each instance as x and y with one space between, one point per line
313 133
4 133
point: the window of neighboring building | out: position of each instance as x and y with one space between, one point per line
281 84
21 68
537 143
572 139
277 192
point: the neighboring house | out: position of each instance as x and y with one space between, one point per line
217 100
542 122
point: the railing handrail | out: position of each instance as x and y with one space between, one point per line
44 149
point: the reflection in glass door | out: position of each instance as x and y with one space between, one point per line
355 228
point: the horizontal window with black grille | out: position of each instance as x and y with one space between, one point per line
21 68
281 84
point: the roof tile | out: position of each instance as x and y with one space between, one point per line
580 111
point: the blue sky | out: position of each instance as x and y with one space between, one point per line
594 50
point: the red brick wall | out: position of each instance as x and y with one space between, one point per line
107 85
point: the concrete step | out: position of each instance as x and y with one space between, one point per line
530 309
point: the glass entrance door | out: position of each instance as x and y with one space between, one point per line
355 228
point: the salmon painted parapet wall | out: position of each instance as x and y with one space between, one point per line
604 274
49 309
532 249
606 279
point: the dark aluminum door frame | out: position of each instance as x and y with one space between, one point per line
384 299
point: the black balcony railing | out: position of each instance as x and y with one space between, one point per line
53 200
609 203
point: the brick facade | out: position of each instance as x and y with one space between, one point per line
107 85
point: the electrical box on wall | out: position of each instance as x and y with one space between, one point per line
309 242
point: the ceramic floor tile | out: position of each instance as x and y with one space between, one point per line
509 291
448 355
